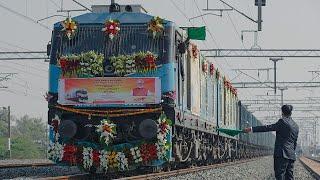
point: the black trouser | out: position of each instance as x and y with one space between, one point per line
283 168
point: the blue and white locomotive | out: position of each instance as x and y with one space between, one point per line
150 99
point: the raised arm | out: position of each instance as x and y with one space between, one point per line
266 128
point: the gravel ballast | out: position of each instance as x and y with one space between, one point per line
34 172
259 169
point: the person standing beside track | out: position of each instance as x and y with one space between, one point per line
285 145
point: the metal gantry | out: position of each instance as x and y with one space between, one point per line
293 84
266 53
300 109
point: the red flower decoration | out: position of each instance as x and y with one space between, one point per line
195 51
204 67
163 127
55 125
112 28
95 157
150 61
63 62
148 152
212 69
69 154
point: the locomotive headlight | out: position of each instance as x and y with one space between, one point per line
148 129
67 129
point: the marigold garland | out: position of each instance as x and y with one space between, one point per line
113 160
116 160
108 114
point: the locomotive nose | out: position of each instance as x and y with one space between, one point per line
148 129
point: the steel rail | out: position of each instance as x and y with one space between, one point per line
19 165
311 165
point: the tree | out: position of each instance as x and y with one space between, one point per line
32 128
29 137
3 123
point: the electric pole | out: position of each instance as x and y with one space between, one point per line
9 132
260 3
7 112
275 60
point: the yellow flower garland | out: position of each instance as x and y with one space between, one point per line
118 113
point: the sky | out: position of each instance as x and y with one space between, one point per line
286 24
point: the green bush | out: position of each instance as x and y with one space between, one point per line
3 147
24 148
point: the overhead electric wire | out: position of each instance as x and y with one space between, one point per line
23 16
236 30
182 12
54 3
213 39
20 93
24 65
16 46
26 72
211 35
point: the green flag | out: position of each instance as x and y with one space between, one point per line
230 132
197 33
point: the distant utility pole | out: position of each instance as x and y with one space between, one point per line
7 110
9 132
275 60
112 2
282 89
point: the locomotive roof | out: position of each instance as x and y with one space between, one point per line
123 17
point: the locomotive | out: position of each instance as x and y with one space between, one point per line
129 90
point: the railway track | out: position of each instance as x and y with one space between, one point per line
150 176
19 165
313 165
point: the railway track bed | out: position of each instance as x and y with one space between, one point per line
256 168
159 175
313 165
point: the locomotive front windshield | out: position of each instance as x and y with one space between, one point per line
131 39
